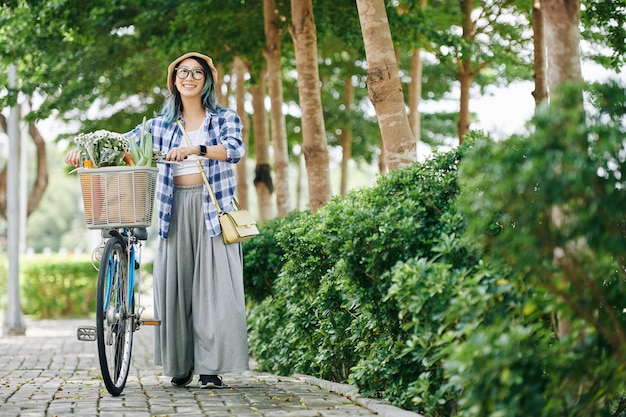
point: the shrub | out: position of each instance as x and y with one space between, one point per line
449 304
263 259
556 197
330 316
54 287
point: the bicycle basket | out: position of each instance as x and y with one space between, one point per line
118 196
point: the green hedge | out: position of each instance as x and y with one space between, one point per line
447 302
54 286
263 260
338 311
554 201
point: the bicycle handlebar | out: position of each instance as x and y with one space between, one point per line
159 157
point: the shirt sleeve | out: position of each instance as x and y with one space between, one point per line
230 135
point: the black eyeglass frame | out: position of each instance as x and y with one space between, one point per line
196 74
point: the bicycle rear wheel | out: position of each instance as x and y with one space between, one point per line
114 316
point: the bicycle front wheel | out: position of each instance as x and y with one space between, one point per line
114 316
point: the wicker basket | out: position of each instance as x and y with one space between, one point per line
116 197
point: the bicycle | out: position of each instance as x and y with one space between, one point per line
118 309
118 312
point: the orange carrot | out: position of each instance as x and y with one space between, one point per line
128 158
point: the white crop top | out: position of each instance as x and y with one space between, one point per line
188 166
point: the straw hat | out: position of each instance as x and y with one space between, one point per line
174 63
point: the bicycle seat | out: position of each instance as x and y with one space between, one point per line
141 233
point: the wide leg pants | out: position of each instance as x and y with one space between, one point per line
198 295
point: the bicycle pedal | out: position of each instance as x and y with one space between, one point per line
150 322
86 333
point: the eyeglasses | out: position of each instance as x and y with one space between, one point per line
182 73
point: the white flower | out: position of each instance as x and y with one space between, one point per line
102 148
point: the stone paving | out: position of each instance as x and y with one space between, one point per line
48 373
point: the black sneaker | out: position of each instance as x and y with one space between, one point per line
210 381
183 381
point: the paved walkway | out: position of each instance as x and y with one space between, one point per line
48 373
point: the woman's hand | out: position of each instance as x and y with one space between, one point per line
181 153
73 158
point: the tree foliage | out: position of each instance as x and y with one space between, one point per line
101 63
550 206
604 23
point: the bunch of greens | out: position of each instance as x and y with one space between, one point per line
142 153
101 148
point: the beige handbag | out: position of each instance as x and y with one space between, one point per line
237 226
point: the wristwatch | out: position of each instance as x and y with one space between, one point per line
202 150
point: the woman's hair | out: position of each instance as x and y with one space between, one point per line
173 105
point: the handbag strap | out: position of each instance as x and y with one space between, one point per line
199 164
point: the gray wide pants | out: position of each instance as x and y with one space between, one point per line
198 295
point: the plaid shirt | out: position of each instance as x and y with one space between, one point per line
221 127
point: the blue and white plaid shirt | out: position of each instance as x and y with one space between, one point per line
223 126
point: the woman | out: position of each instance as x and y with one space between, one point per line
198 280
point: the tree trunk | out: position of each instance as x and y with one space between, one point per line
239 69
384 87
314 143
541 87
300 181
263 176
415 88
466 76
562 18
346 134
382 161
465 80
275 87
3 174
415 93
41 179
220 88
